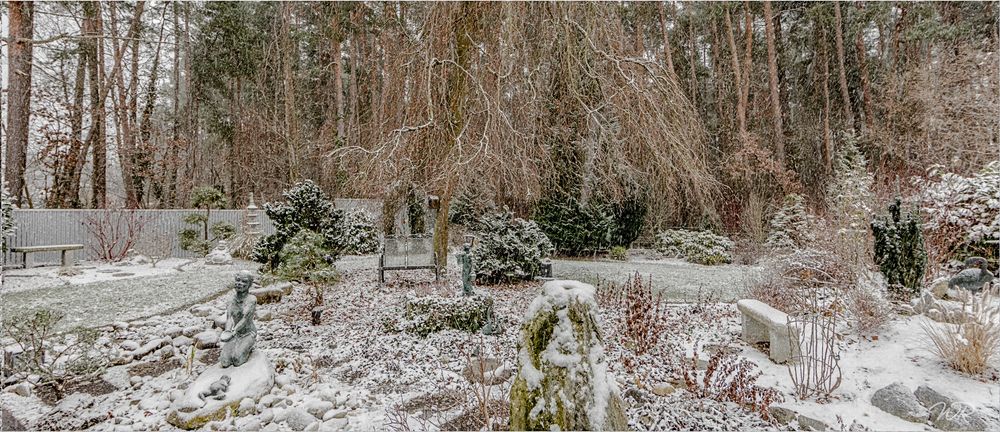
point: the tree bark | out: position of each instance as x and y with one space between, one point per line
772 66
19 57
288 81
827 140
98 93
741 114
667 52
844 93
866 98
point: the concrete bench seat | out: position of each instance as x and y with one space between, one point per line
763 323
63 249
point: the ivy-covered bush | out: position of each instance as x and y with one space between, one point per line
509 248
197 240
305 207
429 314
360 235
6 216
305 258
789 225
899 250
701 247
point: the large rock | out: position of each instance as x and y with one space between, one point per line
272 293
562 380
898 400
948 414
253 380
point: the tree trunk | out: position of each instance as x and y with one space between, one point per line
844 93
772 66
827 141
19 57
694 60
98 93
747 64
288 80
741 114
866 98
667 53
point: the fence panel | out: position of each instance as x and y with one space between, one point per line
37 227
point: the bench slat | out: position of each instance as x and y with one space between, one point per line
52 248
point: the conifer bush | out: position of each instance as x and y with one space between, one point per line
305 258
360 235
789 225
200 240
509 248
306 207
899 250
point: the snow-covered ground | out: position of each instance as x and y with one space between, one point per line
679 281
97 294
352 373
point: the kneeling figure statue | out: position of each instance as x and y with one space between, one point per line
240 333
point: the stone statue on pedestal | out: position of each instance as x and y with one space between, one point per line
240 333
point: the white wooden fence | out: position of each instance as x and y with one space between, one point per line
69 226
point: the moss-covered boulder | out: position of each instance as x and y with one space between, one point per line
433 313
562 379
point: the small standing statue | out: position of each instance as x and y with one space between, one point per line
467 267
240 333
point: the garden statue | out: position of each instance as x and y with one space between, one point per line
220 255
240 333
973 277
466 260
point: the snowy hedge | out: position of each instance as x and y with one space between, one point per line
702 247
968 205
430 314
509 248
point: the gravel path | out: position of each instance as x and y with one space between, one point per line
104 302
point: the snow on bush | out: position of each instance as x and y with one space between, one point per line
868 309
850 194
789 225
509 248
961 210
360 235
702 247
428 314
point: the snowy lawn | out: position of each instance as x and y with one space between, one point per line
104 293
679 281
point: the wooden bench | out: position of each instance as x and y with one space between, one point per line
63 249
407 253
763 323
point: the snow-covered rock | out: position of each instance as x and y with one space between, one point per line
206 339
898 400
75 412
298 419
318 408
252 380
181 341
562 380
220 255
948 414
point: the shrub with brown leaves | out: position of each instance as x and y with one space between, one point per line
730 378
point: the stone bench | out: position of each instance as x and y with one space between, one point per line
763 323
63 249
